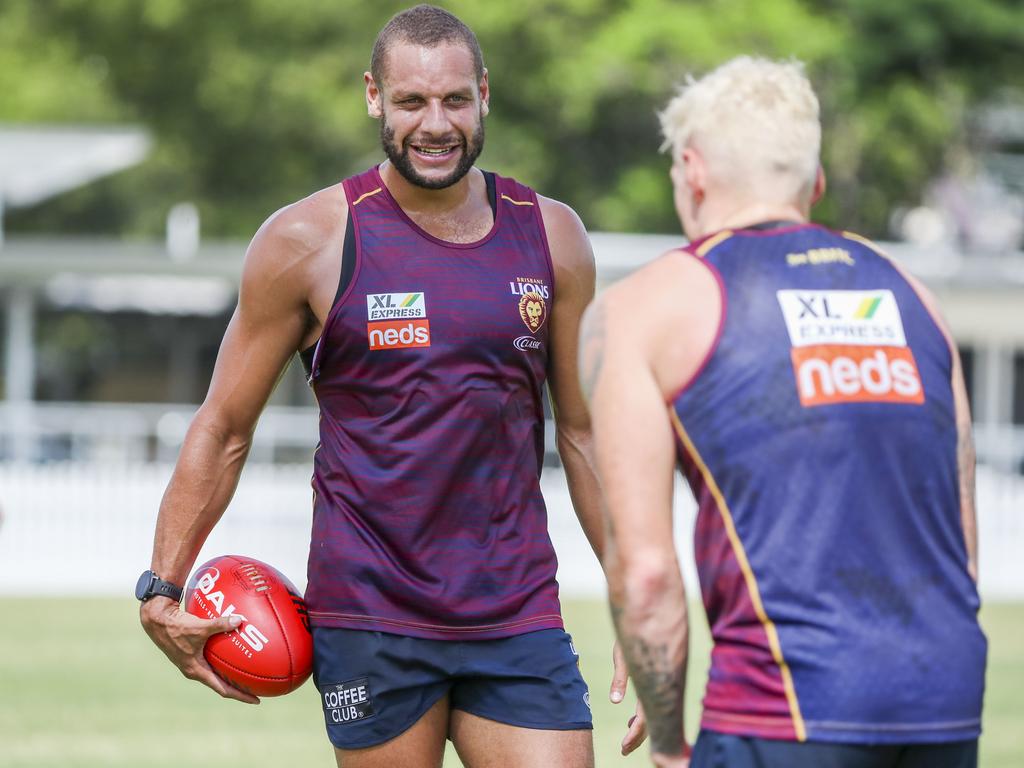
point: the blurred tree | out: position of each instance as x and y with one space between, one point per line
255 103
897 98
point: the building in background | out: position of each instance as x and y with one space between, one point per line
109 345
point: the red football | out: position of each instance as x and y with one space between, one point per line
271 652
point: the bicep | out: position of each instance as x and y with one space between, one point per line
965 459
632 433
264 332
573 261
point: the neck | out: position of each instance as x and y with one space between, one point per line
428 201
733 216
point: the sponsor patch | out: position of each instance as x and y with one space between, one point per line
398 334
817 256
526 343
347 702
849 347
866 318
830 374
393 306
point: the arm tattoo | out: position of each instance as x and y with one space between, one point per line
592 349
660 682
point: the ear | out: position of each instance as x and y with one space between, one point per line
695 172
485 95
819 186
374 97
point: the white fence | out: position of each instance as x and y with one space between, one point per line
88 529
76 528
130 433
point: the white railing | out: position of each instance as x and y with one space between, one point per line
72 528
88 529
130 433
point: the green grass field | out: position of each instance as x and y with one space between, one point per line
81 686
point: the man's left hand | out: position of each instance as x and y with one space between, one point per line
637 726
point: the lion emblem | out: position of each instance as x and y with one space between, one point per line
533 311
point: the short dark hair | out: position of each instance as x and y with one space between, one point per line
425 25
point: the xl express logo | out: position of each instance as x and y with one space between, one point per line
390 306
397 320
849 346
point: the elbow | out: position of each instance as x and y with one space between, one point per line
647 585
641 581
232 441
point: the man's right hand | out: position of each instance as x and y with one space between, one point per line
182 637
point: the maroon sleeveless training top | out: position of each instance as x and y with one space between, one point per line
428 518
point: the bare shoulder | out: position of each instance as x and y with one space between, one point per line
559 217
668 313
676 287
302 228
567 237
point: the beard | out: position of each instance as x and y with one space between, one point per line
402 162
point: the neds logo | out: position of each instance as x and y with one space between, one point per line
399 334
206 585
849 374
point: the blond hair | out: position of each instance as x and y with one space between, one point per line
755 122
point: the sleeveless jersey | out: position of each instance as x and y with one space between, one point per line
819 439
428 518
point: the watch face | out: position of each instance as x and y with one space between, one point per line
143 585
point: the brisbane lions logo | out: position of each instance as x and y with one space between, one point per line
533 310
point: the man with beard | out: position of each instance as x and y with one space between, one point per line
431 301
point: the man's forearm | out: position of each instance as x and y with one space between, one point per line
576 450
200 489
649 612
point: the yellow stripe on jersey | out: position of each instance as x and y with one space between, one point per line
516 202
711 242
366 195
865 241
748 574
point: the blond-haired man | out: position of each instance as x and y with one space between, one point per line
815 402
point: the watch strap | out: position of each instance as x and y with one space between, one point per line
161 588
150 585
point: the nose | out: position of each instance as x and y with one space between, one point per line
435 120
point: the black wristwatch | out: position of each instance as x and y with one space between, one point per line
151 585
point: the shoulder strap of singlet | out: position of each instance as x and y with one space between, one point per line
348 269
361 187
492 191
510 191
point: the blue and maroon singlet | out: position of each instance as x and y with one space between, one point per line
820 441
428 517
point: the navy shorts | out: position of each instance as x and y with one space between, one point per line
719 750
374 685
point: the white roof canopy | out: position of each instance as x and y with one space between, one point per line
39 162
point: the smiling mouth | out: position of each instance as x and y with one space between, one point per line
435 152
